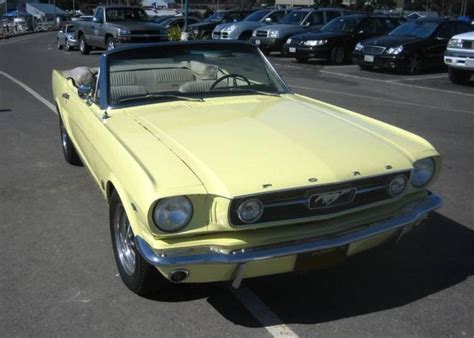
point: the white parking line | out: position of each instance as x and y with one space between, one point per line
396 83
262 313
255 306
420 78
34 93
381 99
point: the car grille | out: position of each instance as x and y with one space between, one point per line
146 32
262 34
466 44
295 203
375 50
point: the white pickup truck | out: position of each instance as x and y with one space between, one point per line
459 57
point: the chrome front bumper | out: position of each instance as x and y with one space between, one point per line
410 214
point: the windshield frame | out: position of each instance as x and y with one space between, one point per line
105 101
306 13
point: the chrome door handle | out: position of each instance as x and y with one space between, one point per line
66 96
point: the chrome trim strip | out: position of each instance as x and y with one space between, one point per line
410 213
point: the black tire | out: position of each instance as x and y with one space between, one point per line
110 43
70 154
415 65
458 76
301 59
144 279
338 55
83 46
59 44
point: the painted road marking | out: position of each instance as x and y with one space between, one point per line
384 100
397 83
256 307
420 78
15 40
262 313
34 93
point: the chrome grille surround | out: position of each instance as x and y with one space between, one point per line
374 50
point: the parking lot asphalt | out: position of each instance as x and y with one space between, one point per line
58 272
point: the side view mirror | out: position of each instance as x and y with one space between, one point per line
84 91
307 24
268 20
441 38
96 20
361 31
61 31
235 20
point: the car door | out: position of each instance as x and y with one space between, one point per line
439 42
97 34
81 117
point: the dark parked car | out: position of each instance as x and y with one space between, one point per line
176 21
336 40
204 29
272 37
411 47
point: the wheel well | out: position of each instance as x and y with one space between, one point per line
107 36
245 34
110 190
79 34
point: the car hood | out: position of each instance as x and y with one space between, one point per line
239 25
392 40
139 26
237 145
204 24
320 35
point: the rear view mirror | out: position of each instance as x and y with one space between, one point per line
84 91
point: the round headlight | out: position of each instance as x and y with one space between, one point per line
397 185
173 213
250 210
423 171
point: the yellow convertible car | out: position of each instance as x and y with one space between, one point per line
215 171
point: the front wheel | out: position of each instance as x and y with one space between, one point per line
83 46
139 276
458 76
338 55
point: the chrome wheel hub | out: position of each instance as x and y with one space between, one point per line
124 241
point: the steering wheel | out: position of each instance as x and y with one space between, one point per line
228 76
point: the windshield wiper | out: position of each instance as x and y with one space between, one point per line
161 96
247 90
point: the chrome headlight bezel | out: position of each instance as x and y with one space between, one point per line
257 216
314 43
288 41
162 213
423 172
359 47
122 31
394 50
455 43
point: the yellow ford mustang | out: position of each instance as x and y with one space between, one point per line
215 171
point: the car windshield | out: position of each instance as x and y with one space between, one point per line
191 71
342 24
162 19
257 16
294 18
216 17
126 14
420 29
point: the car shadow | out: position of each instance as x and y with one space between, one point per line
425 262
